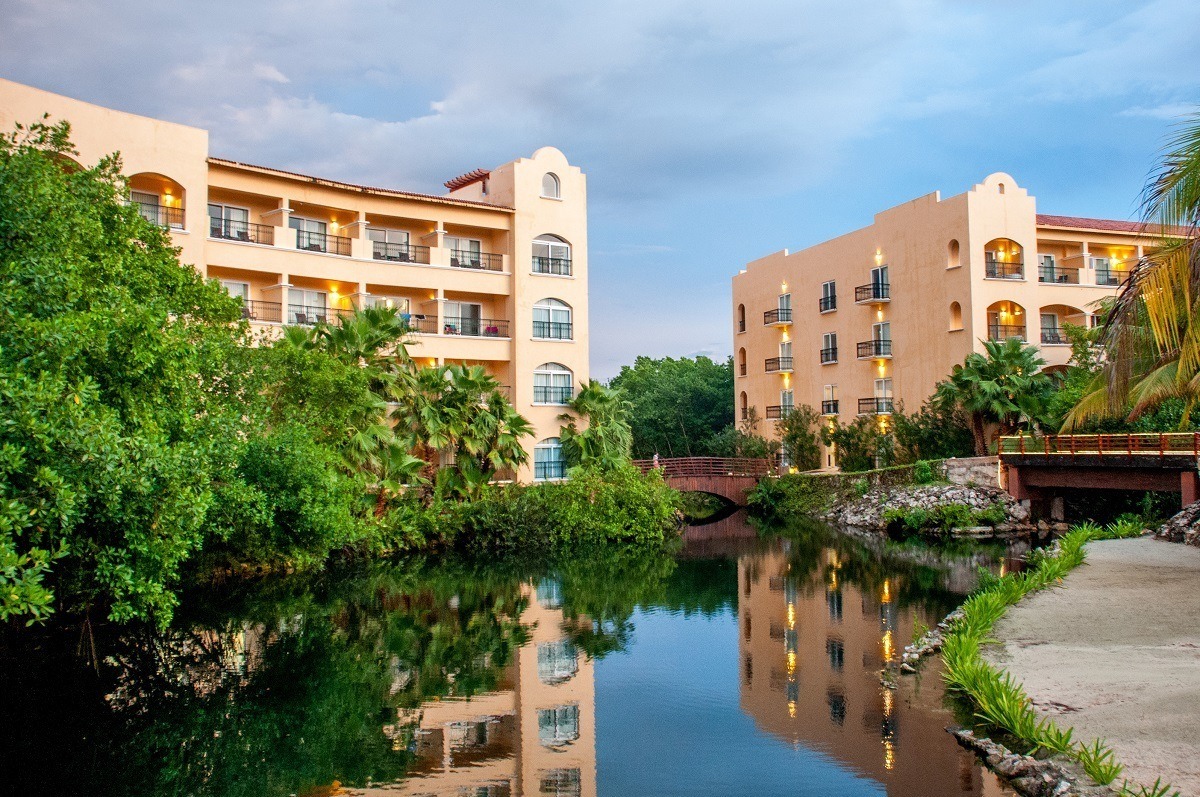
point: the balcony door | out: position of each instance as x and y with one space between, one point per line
226 221
785 353
464 251
463 318
882 331
310 233
785 303
306 307
787 400
883 388
879 275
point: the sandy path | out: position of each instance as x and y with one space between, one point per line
1116 654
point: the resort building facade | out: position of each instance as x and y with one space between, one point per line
862 323
492 273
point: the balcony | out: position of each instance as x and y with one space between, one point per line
244 231
553 330
829 407
161 215
873 292
560 266
422 324
1006 331
475 327
879 405
827 303
1058 275
322 242
262 312
779 365
875 349
829 356
781 316
399 253
777 412
1110 277
1054 337
308 315
551 394
1004 269
484 261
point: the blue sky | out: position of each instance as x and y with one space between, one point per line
712 132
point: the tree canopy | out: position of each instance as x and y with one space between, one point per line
678 407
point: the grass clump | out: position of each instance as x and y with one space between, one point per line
998 699
915 520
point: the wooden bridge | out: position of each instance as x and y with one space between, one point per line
729 478
1166 462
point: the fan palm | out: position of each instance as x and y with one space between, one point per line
606 441
1152 336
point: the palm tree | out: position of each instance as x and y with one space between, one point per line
1152 336
1004 387
607 440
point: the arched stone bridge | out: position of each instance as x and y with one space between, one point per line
729 478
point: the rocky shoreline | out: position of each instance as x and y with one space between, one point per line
867 512
1183 527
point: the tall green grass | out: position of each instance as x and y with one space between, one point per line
998 699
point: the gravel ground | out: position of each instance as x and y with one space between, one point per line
1116 655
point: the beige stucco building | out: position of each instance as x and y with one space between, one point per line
492 273
859 323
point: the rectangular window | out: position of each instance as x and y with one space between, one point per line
229 222
465 251
881 331
400 304
830 393
829 351
828 296
879 276
389 244
785 301
239 290
785 351
883 388
787 399
552 387
310 234
558 725
306 307
462 318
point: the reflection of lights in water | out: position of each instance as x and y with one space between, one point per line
888 729
886 594
889 649
792 709
889 755
791 616
888 703
791 663
1003 570
833 582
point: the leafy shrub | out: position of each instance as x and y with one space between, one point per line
944 517
923 472
775 498
861 487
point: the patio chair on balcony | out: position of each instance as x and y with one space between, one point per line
302 318
247 313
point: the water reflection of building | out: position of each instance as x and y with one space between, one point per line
811 646
534 735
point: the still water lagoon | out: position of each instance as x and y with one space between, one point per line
741 665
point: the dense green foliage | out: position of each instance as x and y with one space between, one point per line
914 520
605 440
678 406
798 432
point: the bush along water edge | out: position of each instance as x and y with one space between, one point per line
997 699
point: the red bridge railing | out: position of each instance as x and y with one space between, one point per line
707 466
1152 444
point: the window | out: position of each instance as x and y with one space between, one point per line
549 593
551 255
837 707
464 252
306 307
837 654
879 276
552 384
389 244
829 400
785 354
828 296
310 234
551 187
833 600
548 460
787 400
560 783
741 318
883 388
785 304
829 348
742 361
552 320
558 726
462 318
556 661
952 254
955 316
398 303
238 290
745 406
229 222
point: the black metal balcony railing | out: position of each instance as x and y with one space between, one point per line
829 355
879 405
1058 274
827 303
551 394
560 266
1004 269
778 364
1110 277
873 292
307 315
874 348
781 316
463 258
829 407
556 469
399 253
475 327
262 312
245 231
1006 331
776 412
161 215
1054 336
424 324
553 330
322 242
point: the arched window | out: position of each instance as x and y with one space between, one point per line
552 320
955 316
745 406
548 460
158 198
952 260
741 318
742 362
557 661
1001 186
1003 258
1006 320
551 255
559 725
551 188
552 384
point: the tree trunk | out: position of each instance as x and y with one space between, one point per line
980 434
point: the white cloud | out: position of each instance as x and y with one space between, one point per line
1167 110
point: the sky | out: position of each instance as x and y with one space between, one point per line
712 132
